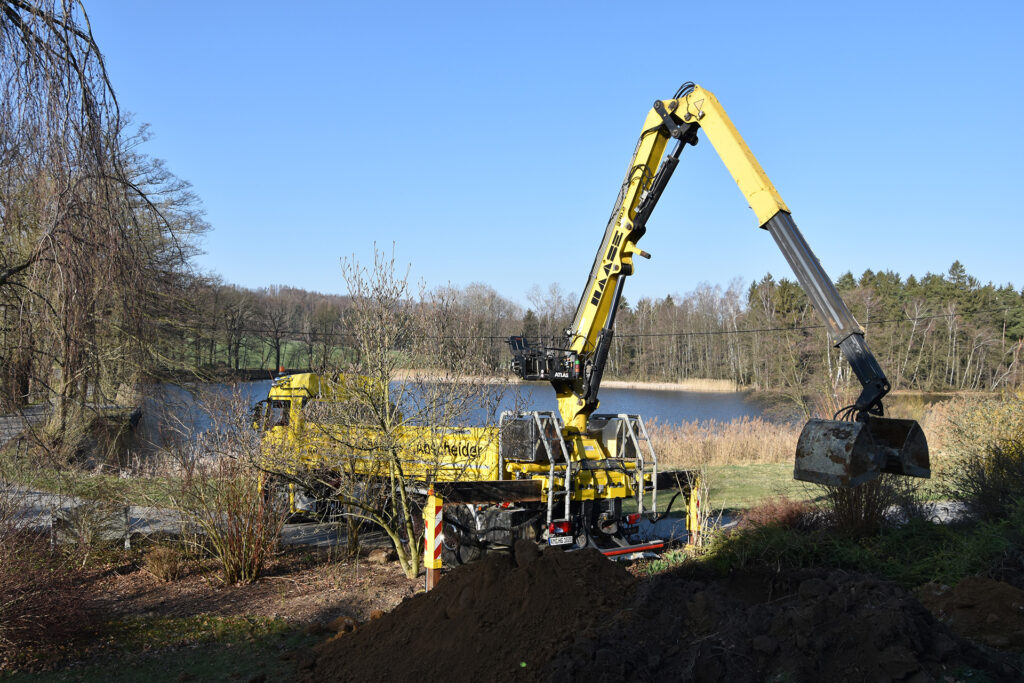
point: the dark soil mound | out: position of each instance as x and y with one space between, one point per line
986 610
807 626
483 621
577 616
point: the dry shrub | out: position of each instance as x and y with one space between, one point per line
236 523
89 525
964 426
863 510
164 563
742 441
43 590
989 480
217 488
782 512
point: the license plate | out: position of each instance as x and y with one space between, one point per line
560 540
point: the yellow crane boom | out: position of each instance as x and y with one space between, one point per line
829 453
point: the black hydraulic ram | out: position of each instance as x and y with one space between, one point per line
847 453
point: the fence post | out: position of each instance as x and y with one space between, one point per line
433 525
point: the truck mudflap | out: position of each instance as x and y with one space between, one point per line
636 551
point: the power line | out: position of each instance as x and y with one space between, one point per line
320 335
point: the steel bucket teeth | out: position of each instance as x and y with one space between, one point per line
848 454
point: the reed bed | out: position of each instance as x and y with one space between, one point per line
743 441
712 386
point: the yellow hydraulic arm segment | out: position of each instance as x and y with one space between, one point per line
836 453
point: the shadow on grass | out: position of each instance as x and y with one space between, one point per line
198 648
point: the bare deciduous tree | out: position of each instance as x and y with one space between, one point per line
377 435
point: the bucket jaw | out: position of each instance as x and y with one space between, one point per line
847 454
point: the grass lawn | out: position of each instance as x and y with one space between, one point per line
739 487
199 648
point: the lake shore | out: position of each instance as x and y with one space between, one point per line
693 385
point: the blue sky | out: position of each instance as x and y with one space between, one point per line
487 141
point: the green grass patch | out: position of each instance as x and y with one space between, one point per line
198 648
140 633
913 554
740 487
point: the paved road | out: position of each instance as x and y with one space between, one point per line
41 510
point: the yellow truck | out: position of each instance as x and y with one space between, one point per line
516 480
563 476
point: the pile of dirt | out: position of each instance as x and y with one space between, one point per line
982 609
578 616
809 625
497 619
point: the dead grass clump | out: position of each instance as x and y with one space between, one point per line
164 563
743 441
782 512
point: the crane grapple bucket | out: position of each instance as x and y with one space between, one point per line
837 453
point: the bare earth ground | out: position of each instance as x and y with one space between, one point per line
793 625
299 587
118 622
578 617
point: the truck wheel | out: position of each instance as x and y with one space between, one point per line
458 546
458 553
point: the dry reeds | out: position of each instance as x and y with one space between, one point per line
744 441
965 426
695 384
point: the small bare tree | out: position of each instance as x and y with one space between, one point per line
384 428
216 487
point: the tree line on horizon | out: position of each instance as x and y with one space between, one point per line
934 333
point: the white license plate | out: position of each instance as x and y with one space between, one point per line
560 540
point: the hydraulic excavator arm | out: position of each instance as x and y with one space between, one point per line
830 452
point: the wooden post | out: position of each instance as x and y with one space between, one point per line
433 525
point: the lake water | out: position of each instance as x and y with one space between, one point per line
188 412
668 407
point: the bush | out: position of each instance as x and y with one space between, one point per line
235 522
782 512
224 511
43 605
960 427
164 563
864 510
989 480
88 526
